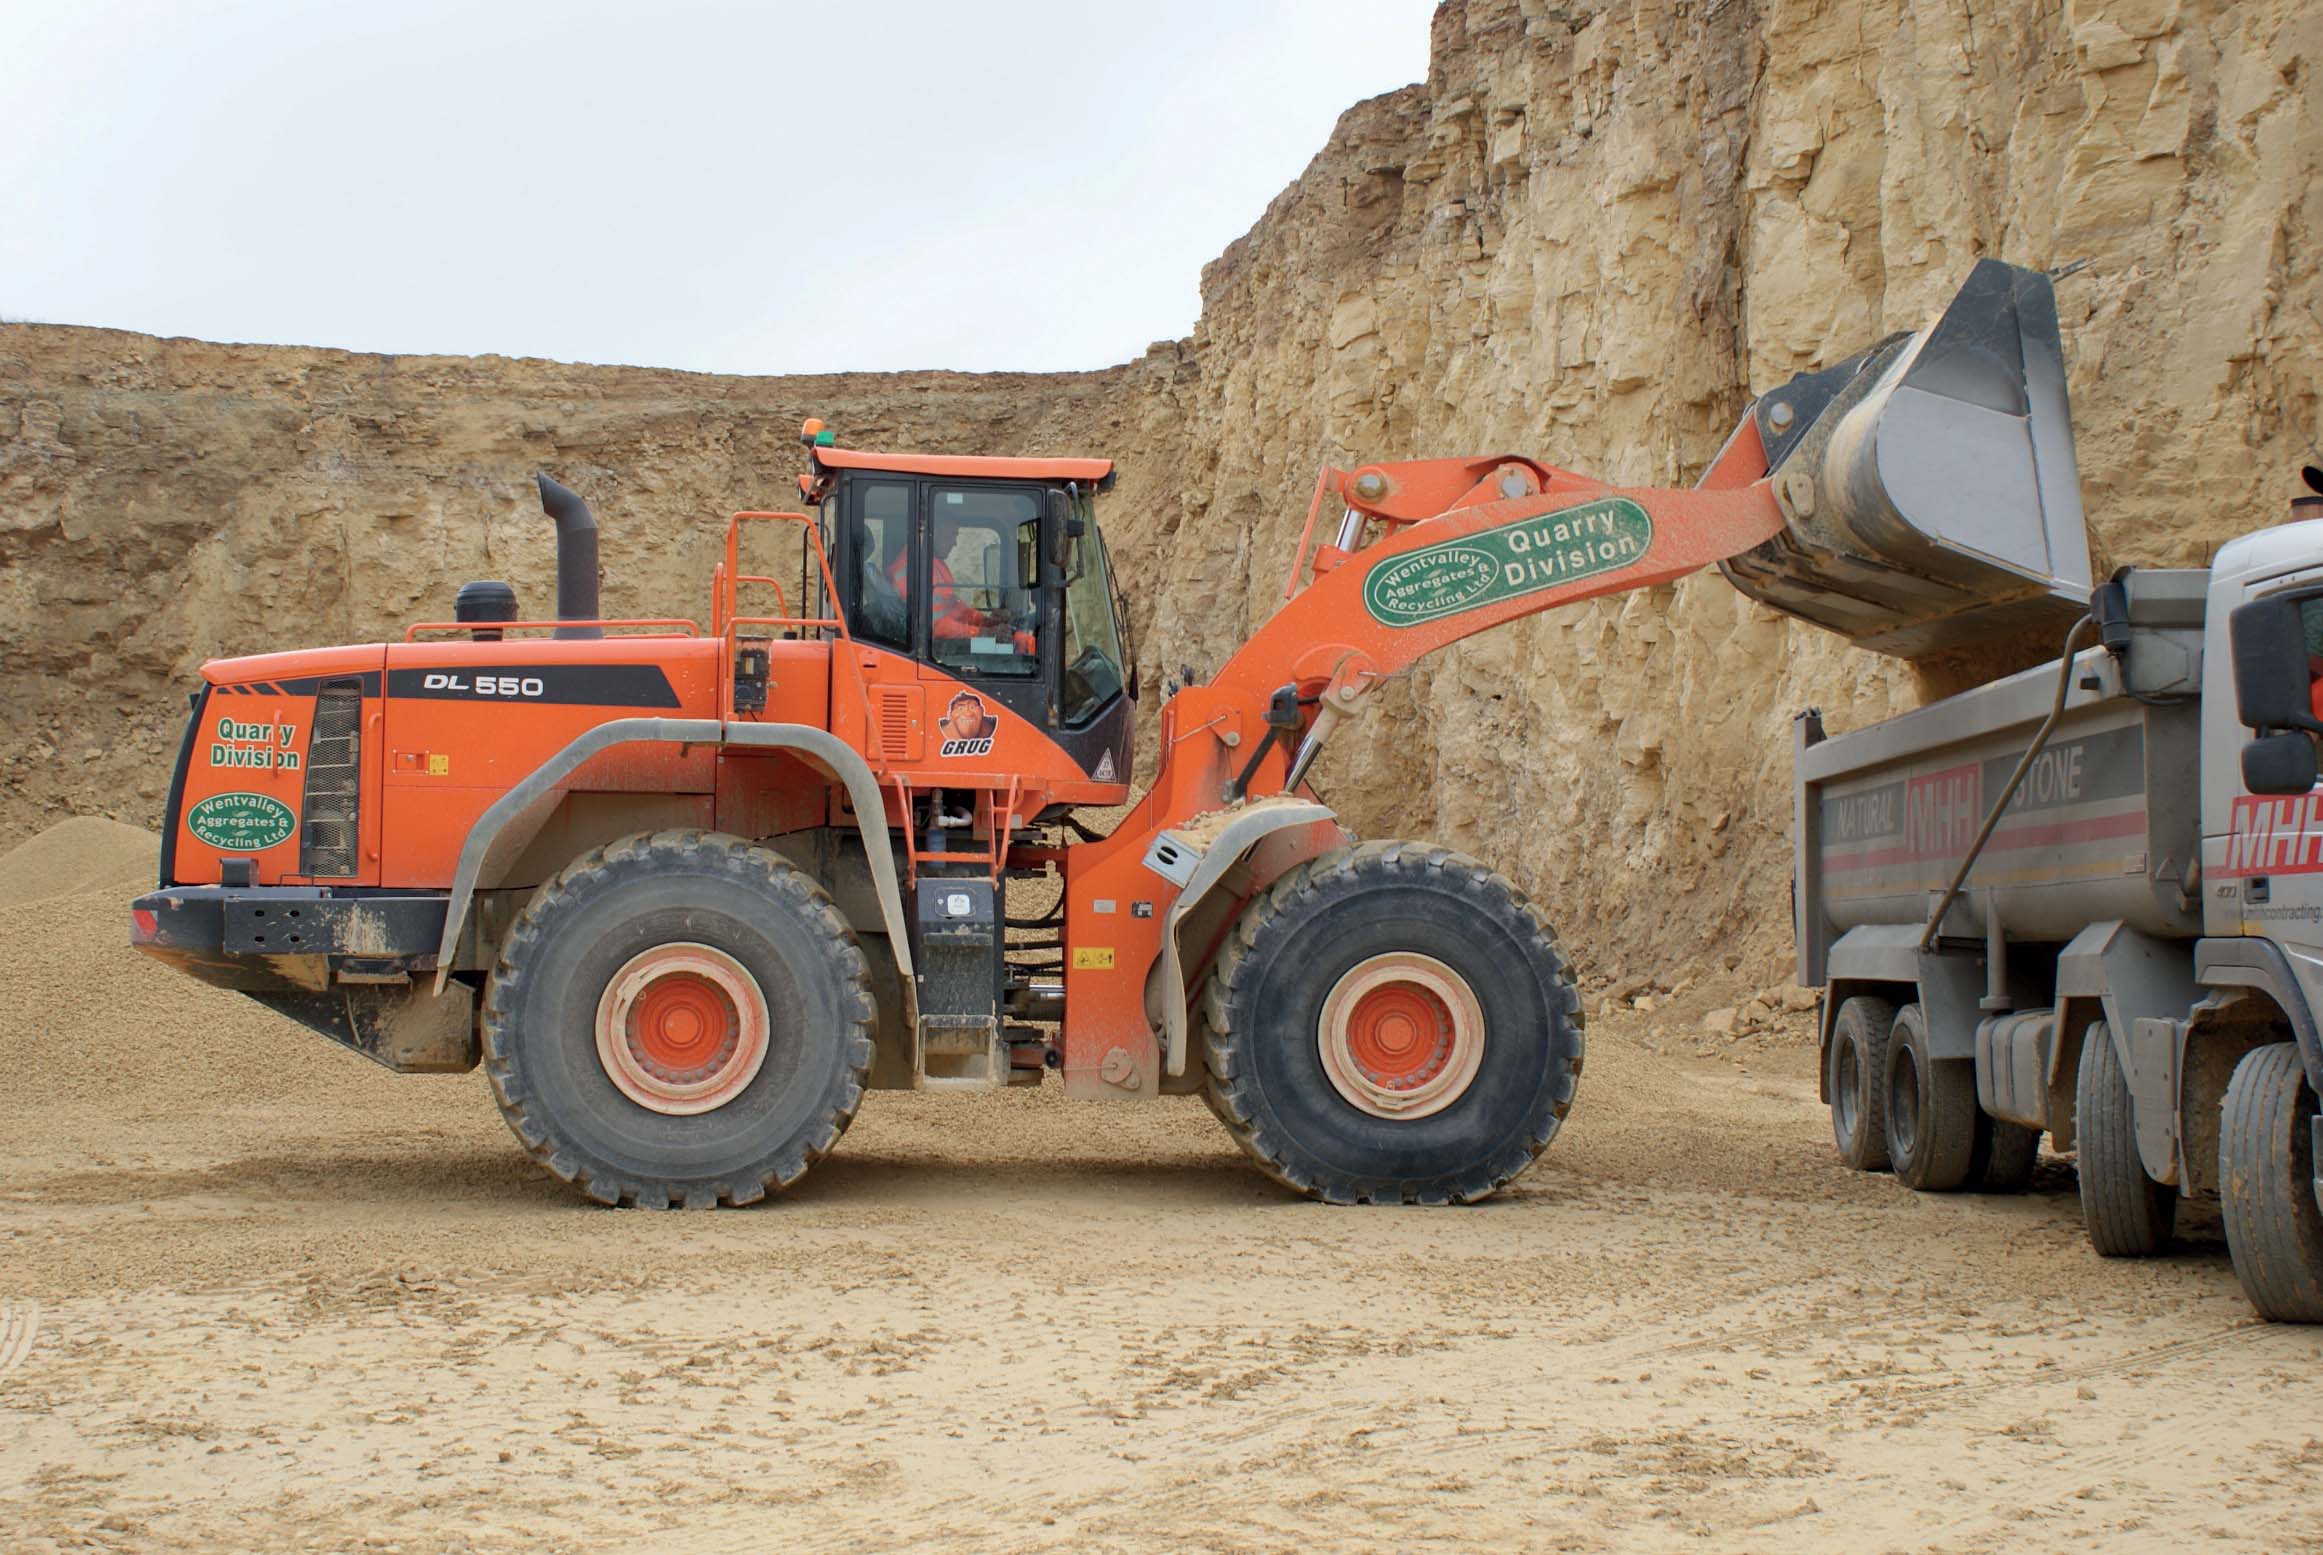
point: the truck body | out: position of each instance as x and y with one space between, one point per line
2138 924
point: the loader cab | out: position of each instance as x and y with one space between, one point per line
993 572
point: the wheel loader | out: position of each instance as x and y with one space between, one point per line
686 889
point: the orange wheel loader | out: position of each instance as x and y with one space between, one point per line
687 890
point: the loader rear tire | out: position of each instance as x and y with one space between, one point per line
679 1018
2125 1213
1931 1109
1392 1023
2266 1185
1854 1076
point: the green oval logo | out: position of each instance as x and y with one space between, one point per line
1435 582
241 823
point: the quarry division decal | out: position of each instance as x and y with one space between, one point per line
236 743
1508 562
240 823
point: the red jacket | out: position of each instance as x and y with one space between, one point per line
953 619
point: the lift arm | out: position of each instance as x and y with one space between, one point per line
1918 496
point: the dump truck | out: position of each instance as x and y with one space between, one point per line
686 889
2087 901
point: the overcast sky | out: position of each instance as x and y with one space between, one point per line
747 188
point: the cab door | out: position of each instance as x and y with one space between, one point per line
2262 854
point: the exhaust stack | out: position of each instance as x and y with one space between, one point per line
1930 485
576 557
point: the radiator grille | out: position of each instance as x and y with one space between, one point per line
898 710
329 839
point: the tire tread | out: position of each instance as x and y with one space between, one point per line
1301 889
645 851
2274 1227
2124 1212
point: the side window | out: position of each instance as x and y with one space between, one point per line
882 551
2311 628
811 602
983 608
1093 673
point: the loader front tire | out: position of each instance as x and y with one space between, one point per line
1391 1023
679 1018
2266 1185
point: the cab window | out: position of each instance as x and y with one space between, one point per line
984 570
882 548
2311 628
1092 655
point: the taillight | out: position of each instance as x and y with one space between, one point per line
329 840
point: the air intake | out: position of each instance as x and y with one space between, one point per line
329 837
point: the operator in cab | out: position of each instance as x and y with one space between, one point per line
952 618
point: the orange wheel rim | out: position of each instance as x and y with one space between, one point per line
682 1029
1401 1035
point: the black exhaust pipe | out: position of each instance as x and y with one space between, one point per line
576 557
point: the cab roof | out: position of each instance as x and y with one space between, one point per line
965 466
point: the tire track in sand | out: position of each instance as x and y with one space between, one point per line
19 1330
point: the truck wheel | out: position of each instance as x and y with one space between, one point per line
1392 1023
2126 1213
1931 1108
2266 1176
1853 1070
679 1018
2006 1154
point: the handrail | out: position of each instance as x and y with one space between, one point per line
726 615
781 599
689 628
810 621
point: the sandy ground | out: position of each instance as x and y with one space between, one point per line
257 1294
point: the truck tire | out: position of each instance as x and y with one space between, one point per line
2126 1213
1854 1071
1931 1109
1392 1024
679 1018
2006 1154
2266 1178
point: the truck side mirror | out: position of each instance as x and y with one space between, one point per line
2271 679
2279 764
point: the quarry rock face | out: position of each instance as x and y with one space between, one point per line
1589 236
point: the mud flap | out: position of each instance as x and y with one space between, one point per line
400 1026
1195 858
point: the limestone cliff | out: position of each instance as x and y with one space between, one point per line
1589 235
